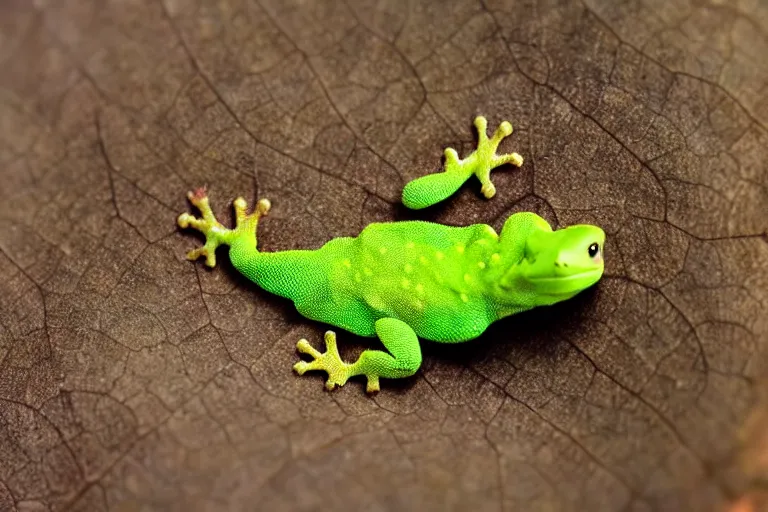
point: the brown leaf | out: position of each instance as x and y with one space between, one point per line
132 379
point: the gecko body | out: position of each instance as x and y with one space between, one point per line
402 281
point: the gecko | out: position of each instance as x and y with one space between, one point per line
405 280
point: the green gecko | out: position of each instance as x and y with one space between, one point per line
409 279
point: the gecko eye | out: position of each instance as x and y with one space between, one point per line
593 250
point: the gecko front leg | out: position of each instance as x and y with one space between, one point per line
215 233
433 188
398 338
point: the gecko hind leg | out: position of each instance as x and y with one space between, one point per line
398 338
215 233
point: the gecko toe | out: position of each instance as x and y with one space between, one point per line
198 193
488 190
304 347
183 220
373 385
301 367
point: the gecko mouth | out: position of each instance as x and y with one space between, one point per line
565 285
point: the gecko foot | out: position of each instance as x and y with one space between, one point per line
484 158
215 233
330 362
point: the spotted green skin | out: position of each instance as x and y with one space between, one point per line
422 273
404 280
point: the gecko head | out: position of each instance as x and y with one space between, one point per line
559 264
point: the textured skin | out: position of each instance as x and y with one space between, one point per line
404 280
431 189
